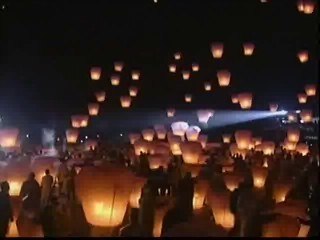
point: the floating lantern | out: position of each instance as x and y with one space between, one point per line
104 198
203 140
135 194
8 137
135 75
160 131
306 116
243 138
289 146
174 142
192 133
125 101
72 135
217 50
207 86
188 98
311 89
259 175
171 112
273 107
200 192
245 100
226 138
95 73
141 146
302 148
224 77
133 91
268 148
204 115
191 152
235 150
177 56
159 148
293 134
308 7
133 137
179 128
248 49
257 141
100 96
185 75
300 5
158 160
118 66
292 117
195 67
172 68
232 180
115 79
79 121
281 190
281 226
302 98
40 164
194 169
234 99
148 134
303 56
93 109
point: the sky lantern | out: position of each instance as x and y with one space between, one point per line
232 180
148 134
160 131
125 101
186 75
268 147
281 190
191 152
157 147
16 173
292 117
174 142
79 121
135 75
281 226
177 55
306 115
133 91
192 133
200 192
311 89
194 169
293 134
302 148
243 138
248 49
93 109
300 5
8 137
217 50
303 56
273 107
220 205
259 175
118 66
195 67
39 165
158 160
226 138
224 77
95 73
204 115
72 135
234 98
245 100
203 139
289 146
100 96
302 98
141 145
179 128
115 79
188 98
104 198
172 68
308 6
257 140
207 86
135 194
171 112
133 137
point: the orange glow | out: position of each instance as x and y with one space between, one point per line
259 175
311 89
293 134
281 190
303 56
224 77
217 50
118 66
125 101
133 137
8 137
140 146
133 91
200 192
93 109
308 7
172 68
207 86
158 160
115 79
191 152
160 131
245 100
95 73
232 180
268 147
226 138
186 75
136 192
148 134
188 98
72 135
100 96
79 121
174 142
302 148
177 56
171 112
234 99
248 49
192 133
306 115
302 98
243 138
135 75
292 117
203 140
195 67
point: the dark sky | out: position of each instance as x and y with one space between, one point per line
48 47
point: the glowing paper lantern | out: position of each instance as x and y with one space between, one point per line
293 134
217 50
306 116
257 141
273 107
8 137
226 138
100 96
311 89
192 133
232 180
177 56
188 98
302 98
79 121
248 49
133 91
282 226
243 138
292 117
158 160
308 7
72 135
289 146
303 56
200 192
125 101
135 194
191 152
235 150
174 142
133 137
115 79
281 190
159 148
268 148
179 128
195 67
204 115
16 173
148 134
203 140
224 77
160 131
13 230
302 148
104 198
185 75
95 73
118 66
160 213
172 68
171 112
300 5
93 109
41 163
141 146
245 100
259 175
135 75
207 86
234 99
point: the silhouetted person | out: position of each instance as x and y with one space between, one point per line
62 174
144 164
185 195
132 229
6 213
46 188
48 218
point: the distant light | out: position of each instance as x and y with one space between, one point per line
301 121
298 111
283 121
81 141
155 1
121 134
86 137
58 139
283 112
98 136
3 7
27 136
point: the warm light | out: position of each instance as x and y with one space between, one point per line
100 96
136 192
303 56
243 138
273 107
158 160
115 79
125 101
90 144
226 138
308 7
148 134
171 112
141 146
232 181
234 99
217 50
191 152
133 137
302 98
280 191
192 133
174 142
257 141
306 116
133 91
160 131
72 135
15 188
248 49
93 109
79 121
40 164
311 89
135 75
268 148
160 213
118 66
177 56
185 75
245 100
188 98
289 146
195 67
302 148
200 192
259 175
207 86
300 5
292 117
8 137
95 73
203 140
179 128
293 134
204 115
224 77
172 68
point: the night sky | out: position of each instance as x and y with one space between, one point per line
48 47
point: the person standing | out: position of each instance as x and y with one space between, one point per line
46 188
6 213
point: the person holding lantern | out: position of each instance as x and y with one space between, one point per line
6 213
